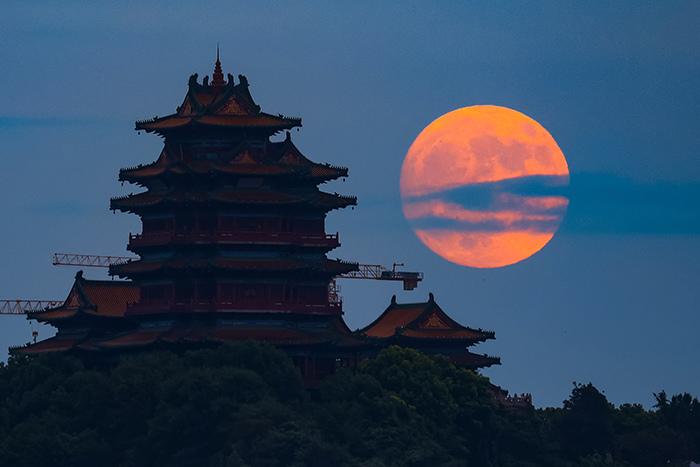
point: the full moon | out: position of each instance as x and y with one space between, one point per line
483 186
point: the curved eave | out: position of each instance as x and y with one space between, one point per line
399 339
261 121
139 267
472 360
137 174
283 337
133 203
319 172
52 344
438 338
463 333
337 202
327 173
138 245
53 314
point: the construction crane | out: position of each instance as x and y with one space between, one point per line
409 279
378 272
20 307
96 261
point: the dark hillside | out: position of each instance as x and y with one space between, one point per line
244 405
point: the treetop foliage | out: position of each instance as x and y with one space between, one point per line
245 405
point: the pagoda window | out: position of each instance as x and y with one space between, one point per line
227 292
206 289
250 292
157 225
250 182
184 220
290 294
227 223
314 295
285 224
276 292
249 224
206 222
308 225
184 290
155 293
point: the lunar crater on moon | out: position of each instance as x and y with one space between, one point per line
483 186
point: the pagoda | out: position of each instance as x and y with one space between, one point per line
233 247
233 242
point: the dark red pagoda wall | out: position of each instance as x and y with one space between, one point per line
210 221
198 141
225 294
216 227
217 146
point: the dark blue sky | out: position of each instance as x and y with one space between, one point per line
613 299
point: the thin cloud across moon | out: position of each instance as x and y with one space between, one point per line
483 186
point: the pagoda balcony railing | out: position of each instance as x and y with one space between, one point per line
197 305
268 238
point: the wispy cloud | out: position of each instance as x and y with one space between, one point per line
597 203
537 214
17 122
534 204
604 203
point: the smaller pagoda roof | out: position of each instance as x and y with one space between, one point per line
220 103
91 297
424 321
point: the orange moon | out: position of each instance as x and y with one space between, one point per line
483 186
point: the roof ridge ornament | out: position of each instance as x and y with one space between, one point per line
217 78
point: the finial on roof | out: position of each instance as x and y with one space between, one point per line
217 78
287 136
431 297
393 299
79 275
